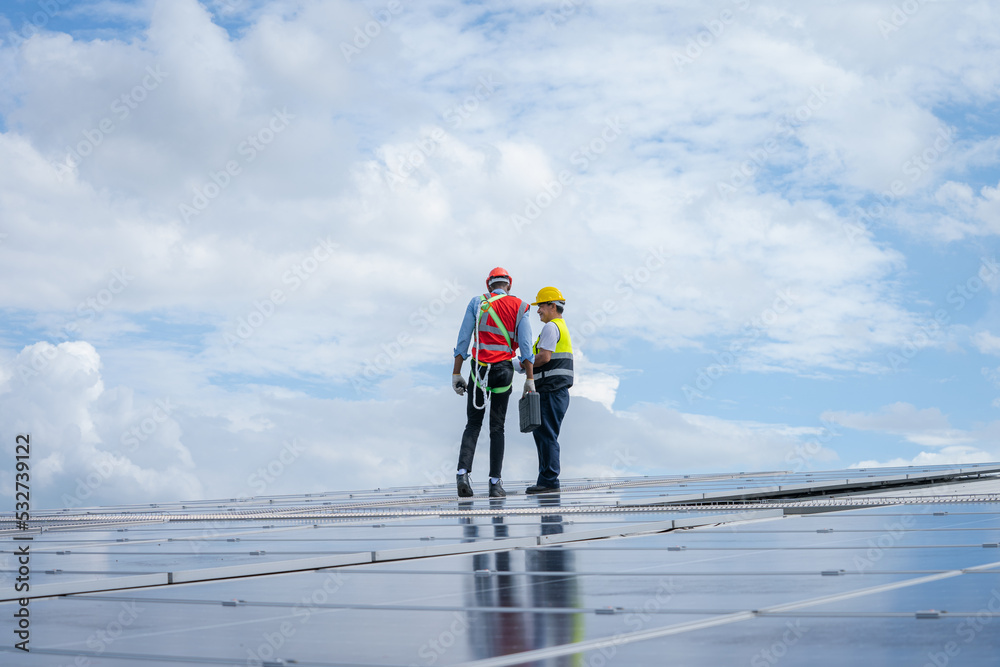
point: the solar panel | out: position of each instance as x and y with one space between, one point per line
898 565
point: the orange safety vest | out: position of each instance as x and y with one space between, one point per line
497 340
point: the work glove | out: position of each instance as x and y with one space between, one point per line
458 383
529 385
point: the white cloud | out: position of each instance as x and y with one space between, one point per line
90 444
986 342
727 258
93 445
640 236
927 427
898 416
595 382
657 439
951 455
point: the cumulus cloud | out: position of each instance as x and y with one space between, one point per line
201 137
595 382
276 226
90 445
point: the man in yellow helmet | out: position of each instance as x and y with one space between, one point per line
553 371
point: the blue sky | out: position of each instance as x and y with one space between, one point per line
234 225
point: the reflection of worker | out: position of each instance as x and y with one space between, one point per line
498 596
553 371
553 584
493 633
496 324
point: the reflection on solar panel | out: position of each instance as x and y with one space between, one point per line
881 566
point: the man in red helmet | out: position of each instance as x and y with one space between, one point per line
495 324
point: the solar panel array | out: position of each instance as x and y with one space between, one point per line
881 566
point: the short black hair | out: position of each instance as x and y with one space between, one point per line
559 309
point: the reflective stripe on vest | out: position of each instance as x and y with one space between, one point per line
491 329
557 372
552 372
495 348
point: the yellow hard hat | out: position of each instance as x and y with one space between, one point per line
547 294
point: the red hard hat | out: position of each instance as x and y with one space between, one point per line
499 272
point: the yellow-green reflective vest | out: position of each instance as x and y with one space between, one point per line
557 372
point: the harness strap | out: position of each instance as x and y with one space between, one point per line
492 390
486 306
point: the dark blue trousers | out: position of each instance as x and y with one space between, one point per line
554 405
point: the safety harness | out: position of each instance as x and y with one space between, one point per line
486 307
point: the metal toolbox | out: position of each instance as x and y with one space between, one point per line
530 410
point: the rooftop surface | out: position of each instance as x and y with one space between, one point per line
893 566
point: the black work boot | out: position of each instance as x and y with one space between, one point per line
496 490
464 485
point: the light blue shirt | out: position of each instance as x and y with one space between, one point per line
469 326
